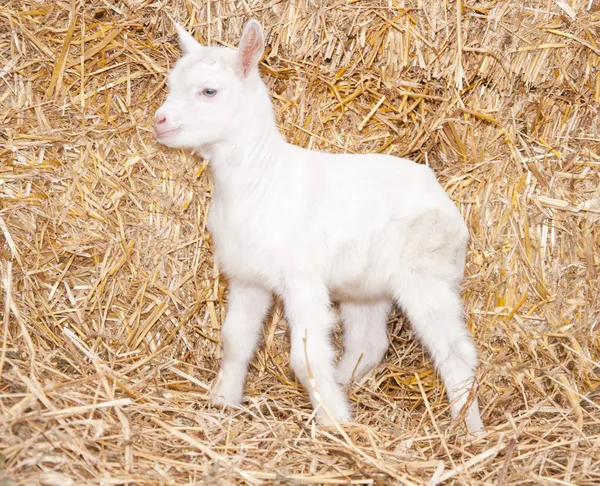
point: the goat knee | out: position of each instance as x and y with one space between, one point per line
313 358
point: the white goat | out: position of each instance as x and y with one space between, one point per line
364 230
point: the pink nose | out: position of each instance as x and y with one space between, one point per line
159 120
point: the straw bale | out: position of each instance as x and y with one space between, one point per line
111 303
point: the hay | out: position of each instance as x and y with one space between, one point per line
111 304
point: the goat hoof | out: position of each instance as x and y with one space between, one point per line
219 401
341 418
222 398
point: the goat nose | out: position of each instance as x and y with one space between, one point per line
159 120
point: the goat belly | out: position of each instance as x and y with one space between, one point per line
361 268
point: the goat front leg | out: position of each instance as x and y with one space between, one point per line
248 306
311 320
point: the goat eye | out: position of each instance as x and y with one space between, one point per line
209 92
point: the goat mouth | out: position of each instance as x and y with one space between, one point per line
167 133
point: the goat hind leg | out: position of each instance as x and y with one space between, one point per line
434 307
365 338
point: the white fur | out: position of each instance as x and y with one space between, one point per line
368 231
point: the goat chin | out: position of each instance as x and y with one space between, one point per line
370 231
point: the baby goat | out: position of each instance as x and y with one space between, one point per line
367 231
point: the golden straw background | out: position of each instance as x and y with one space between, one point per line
111 303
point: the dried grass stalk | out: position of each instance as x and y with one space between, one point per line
111 304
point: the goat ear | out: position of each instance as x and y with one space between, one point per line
251 48
186 42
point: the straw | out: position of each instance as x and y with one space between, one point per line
112 304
